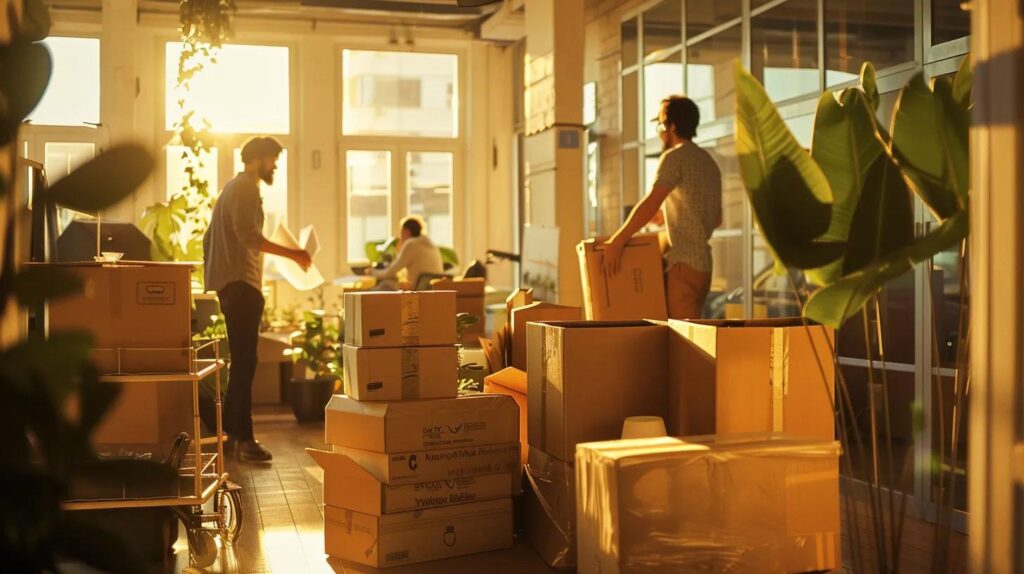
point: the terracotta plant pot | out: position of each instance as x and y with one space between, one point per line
308 397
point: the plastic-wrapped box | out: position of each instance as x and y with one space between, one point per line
759 502
549 509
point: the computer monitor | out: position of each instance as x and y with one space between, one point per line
78 241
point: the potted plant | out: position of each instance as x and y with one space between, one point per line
318 346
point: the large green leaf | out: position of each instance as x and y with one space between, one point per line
104 181
845 146
35 21
789 193
834 304
56 362
449 256
929 141
883 222
962 83
869 84
24 73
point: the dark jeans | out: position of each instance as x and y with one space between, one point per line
242 305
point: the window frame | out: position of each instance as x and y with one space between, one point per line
225 143
399 146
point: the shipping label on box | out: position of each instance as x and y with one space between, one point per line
413 537
348 485
636 292
585 378
408 318
743 503
429 465
401 374
751 376
421 425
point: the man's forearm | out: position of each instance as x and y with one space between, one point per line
642 213
268 246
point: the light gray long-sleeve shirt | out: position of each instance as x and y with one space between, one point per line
231 245
418 255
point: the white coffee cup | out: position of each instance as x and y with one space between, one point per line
643 427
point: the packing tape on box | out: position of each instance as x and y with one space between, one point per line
410 318
552 372
779 375
410 374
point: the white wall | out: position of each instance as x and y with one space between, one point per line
132 70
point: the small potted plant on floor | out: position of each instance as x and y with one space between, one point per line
318 346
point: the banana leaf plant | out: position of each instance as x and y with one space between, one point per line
43 441
843 214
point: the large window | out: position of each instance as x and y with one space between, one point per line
879 31
72 97
709 73
784 49
401 146
244 92
400 94
369 199
429 182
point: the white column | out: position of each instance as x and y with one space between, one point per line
118 85
554 130
996 457
316 199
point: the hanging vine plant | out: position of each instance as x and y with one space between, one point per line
177 225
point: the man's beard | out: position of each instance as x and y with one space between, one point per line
267 176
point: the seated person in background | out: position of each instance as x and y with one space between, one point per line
417 254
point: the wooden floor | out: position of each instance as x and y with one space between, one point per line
283 515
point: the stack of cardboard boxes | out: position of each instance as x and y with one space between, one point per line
415 472
704 378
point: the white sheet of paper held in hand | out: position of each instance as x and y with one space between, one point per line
290 270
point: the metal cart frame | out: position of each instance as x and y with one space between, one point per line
209 477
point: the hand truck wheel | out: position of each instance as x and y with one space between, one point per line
228 504
202 548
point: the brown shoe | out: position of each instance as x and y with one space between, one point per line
252 451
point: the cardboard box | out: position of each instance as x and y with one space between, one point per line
535 312
636 292
413 537
401 373
752 376
742 503
512 382
146 417
421 425
348 485
550 509
400 319
396 469
139 315
585 378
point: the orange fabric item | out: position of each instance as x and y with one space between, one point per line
511 382
685 291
